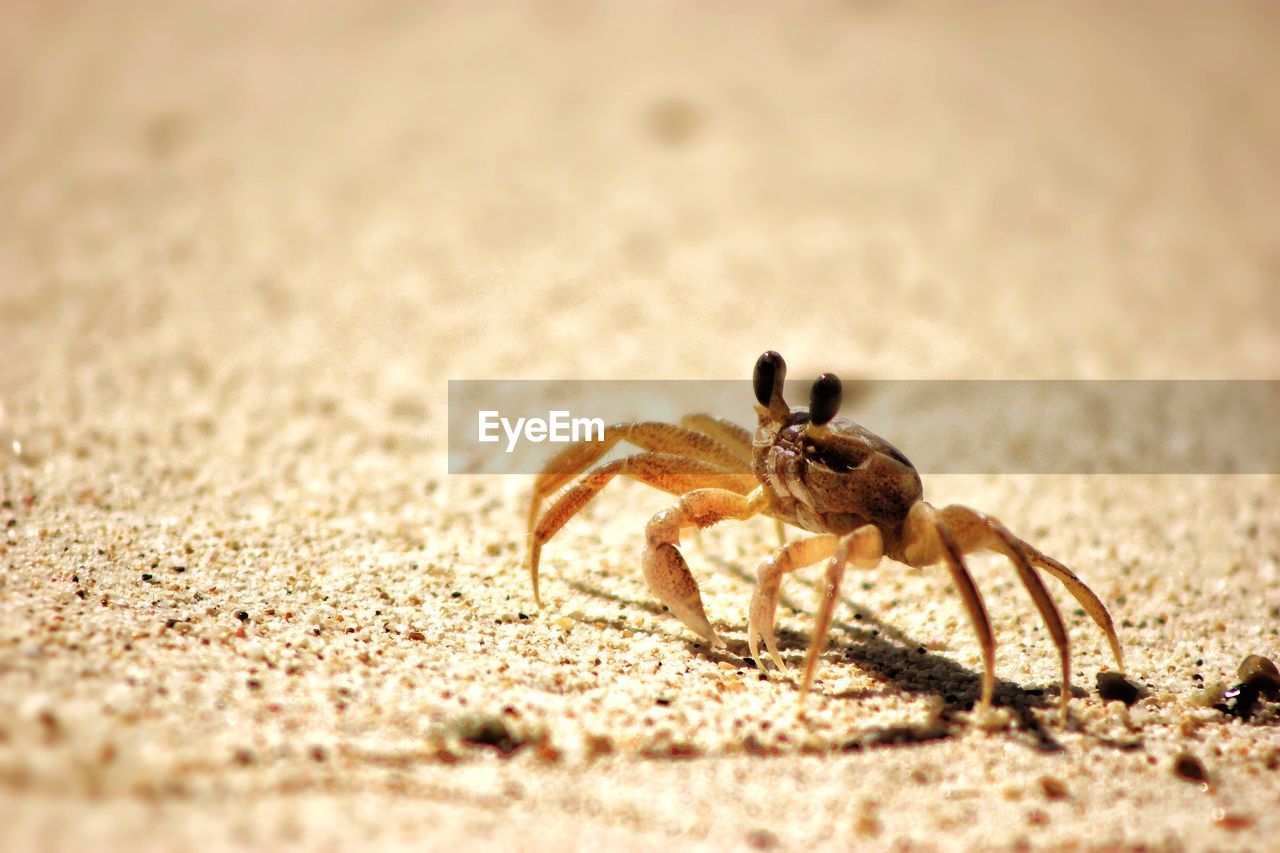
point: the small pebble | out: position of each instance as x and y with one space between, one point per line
1114 687
1232 821
489 731
1188 767
1260 673
1053 789
242 615
1258 679
599 745
867 824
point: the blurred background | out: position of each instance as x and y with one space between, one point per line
243 246
560 188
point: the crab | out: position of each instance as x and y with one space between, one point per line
858 497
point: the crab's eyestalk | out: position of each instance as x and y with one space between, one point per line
767 380
770 371
824 401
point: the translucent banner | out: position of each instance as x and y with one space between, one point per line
942 426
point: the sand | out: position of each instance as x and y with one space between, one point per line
245 246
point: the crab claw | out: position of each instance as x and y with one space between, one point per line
670 579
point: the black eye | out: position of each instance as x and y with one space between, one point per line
770 370
824 400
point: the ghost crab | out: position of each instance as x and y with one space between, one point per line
857 495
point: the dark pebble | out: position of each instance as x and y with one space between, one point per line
146 576
455 595
489 731
1238 701
1260 673
1258 679
1053 788
1114 687
242 615
1188 767
417 635
524 615
662 700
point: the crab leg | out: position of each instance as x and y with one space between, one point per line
673 474
655 437
764 601
927 537
863 546
1088 600
732 436
665 568
974 530
737 439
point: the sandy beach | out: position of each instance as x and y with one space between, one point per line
244 605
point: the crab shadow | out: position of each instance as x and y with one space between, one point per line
900 662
